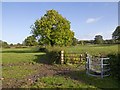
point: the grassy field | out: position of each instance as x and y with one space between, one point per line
75 79
91 49
21 69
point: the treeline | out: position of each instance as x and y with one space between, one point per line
32 41
110 41
75 42
86 42
4 44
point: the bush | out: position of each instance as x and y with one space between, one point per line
42 49
53 57
115 65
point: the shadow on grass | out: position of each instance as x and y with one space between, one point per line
44 59
41 59
97 82
20 51
48 58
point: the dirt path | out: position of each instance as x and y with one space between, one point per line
43 70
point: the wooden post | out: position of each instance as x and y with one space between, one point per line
101 67
62 57
87 63
80 57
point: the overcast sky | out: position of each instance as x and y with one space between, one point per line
87 18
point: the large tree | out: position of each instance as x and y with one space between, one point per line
30 41
53 29
3 44
98 39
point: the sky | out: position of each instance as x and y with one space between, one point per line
87 18
0 20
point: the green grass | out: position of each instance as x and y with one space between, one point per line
59 82
107 82
19 55
20 50
17 72
74 79
91 49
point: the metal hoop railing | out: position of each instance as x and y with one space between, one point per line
98 67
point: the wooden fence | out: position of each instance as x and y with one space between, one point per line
73 58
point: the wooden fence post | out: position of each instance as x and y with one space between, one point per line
62 57
80 57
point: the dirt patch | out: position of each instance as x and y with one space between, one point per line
42 70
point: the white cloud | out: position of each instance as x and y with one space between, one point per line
93 20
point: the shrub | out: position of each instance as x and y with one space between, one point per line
42 49
53 57
115 65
